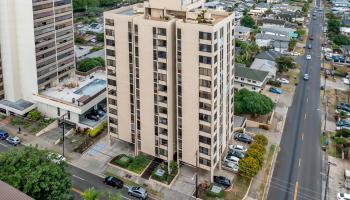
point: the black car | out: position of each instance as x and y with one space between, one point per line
243 138
237 154
343 106
222 181
114 182
91 117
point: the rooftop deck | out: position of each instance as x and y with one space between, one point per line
78 91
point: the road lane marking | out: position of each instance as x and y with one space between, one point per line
75 176
305 116
307 99
302 137
299 161
4 145
296 190
77 191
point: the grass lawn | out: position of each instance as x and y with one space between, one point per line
239 189
267 170
134 164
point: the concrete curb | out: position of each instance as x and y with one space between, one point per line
246 194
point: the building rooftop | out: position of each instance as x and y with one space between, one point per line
78 91
260 36
242 29
268 55
10 193
252 74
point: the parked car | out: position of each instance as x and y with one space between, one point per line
231 166
243 138
14 140
275 90
114 182
138 192
283 80
308 57
306 77
222 181
56 158
238 147
91 117
342 123
343 106
3 135
343 196
232 159
237 154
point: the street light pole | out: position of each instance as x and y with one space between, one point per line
63 128
196 174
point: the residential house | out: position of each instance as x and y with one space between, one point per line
273 1
242 33
266 22
259 9
215 5
265 61
238 17
278 43
251 79
290 16
279 31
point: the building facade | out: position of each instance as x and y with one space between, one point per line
170 83
39 42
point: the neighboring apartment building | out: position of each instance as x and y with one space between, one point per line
38 49
170 83
2 92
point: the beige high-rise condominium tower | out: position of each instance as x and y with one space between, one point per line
170 79
37 46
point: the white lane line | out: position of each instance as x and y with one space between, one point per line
307 99
4 145
75 176
299 162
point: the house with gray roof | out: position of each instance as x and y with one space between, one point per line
251 79
276 42
242 33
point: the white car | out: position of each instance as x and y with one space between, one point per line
346 81
56 158
238 147
231 166
232 159
308 57
283 80
343 196
293 53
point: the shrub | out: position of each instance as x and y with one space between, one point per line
96 131
340 141
34 115
248 166
79 40
343 133
174 168
162 178
261 139
90 63
256 154
258 147
122 161
138 163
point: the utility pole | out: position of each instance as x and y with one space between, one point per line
196 174
63 129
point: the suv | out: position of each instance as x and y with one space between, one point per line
14 140
343 106
3 135
222 181
243 138
138 192
114 182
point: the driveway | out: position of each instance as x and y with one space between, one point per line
335 84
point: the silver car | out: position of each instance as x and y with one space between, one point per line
138 192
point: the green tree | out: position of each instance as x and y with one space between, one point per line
343 133
34 115
91 194
100 37
248 21
343 115
301 32
248 52
79 40
83 5
258 147
90 63
333 26
261 139
341 39
284 63
29 170
248 166
249 102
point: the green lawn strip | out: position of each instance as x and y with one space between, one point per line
239 189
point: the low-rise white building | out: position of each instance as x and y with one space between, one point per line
345 31
242 33
78 98
251 79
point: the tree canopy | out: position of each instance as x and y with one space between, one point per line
90 63
248 21
249 102
249 166
247 53
29 170
284 63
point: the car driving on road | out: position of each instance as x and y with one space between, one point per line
306 77
308 57
114 182
138 192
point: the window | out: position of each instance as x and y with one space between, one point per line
109 22
204 117
205 140
204 161
204 150
204 71
205 106
110 52
205 95
109 32
205 48
204 35
110 42
58 112
205 83
205 60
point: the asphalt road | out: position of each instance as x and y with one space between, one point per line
297 173
82 180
